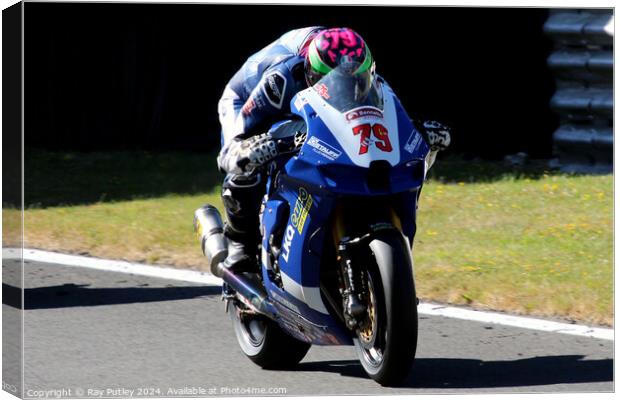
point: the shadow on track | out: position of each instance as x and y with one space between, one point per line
457 373
72 295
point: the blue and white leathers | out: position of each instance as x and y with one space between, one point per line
264 85
341 147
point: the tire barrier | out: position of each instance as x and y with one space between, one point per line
582 64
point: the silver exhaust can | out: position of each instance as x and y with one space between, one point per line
209 230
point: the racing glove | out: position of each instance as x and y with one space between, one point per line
246 155
437 135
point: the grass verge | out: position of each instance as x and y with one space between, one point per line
519 241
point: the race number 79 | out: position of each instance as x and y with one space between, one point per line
382 139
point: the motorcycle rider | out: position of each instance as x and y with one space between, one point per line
257 96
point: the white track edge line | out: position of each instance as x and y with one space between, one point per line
127 267
209 279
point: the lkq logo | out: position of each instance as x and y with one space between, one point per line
298 220
288 240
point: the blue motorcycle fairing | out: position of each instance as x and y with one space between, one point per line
322 162
299 205
301 302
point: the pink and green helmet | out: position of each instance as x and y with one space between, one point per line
333 47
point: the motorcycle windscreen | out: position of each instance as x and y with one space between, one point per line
345 90
363 119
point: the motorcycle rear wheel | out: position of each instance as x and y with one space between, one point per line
264 342
386 347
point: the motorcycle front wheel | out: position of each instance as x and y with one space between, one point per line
387 340
264 342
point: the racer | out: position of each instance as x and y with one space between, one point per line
259 95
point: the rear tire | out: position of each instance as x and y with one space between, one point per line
264 342
387 356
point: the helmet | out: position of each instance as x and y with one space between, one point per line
333 47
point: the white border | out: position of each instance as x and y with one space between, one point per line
427 3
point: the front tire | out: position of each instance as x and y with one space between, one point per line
386 347
264 342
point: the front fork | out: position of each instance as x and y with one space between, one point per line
353 309
352 253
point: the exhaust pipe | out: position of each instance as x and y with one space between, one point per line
251 289
209 230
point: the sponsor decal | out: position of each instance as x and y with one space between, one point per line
300 102
298 220
248 107
413 142
260 101
301 210
289 234
322 148
275 85
363 112
322 90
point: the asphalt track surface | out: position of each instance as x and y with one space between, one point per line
105 333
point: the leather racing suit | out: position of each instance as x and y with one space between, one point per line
258 95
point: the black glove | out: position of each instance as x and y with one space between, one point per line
246 155
437 135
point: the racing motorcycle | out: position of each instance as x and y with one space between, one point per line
337 225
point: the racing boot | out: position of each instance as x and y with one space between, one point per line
242 196
242 251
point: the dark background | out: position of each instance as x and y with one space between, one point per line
148 76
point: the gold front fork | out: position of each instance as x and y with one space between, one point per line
339 225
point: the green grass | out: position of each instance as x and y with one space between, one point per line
157 230
489 236
530 246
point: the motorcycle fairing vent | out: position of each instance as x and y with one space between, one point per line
378 176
